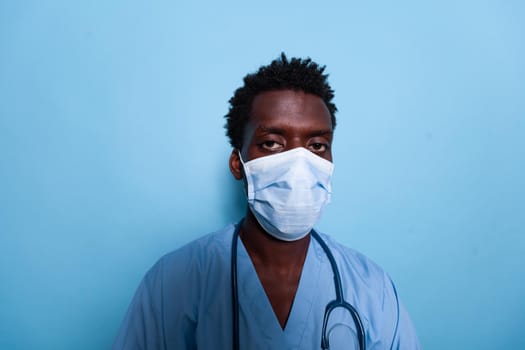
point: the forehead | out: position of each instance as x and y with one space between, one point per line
289 109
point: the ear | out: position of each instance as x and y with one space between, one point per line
235 164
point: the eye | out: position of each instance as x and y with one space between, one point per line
271 145
318 147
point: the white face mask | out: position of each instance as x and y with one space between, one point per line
287 191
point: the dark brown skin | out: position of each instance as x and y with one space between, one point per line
280 121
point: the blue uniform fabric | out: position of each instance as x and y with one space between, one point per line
184 302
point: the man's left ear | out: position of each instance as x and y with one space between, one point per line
235 164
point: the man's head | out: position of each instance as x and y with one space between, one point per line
281 126
300 75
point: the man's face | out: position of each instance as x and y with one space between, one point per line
285 119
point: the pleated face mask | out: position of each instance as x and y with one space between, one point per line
287 191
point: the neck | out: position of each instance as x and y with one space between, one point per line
268 250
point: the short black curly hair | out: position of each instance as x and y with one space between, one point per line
281 74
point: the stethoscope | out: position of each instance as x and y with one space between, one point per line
331 306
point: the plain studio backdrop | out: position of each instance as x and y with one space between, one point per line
113 153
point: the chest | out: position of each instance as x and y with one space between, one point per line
303 299
280 286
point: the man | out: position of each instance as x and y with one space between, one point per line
270 281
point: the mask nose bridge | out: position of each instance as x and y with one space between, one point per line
300 171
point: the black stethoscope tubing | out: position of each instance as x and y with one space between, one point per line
338 302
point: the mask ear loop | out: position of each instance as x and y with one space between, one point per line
247 186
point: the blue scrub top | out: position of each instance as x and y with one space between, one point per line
184 302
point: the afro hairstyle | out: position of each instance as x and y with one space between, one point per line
281 74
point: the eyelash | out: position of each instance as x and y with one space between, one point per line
324 146
267 145
274 146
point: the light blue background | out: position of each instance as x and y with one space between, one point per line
112 152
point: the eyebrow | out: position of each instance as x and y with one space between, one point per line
270 130
321 133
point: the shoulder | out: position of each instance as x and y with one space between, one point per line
195 256
354 261
190 266
169 294
181 274
370 289
365 283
